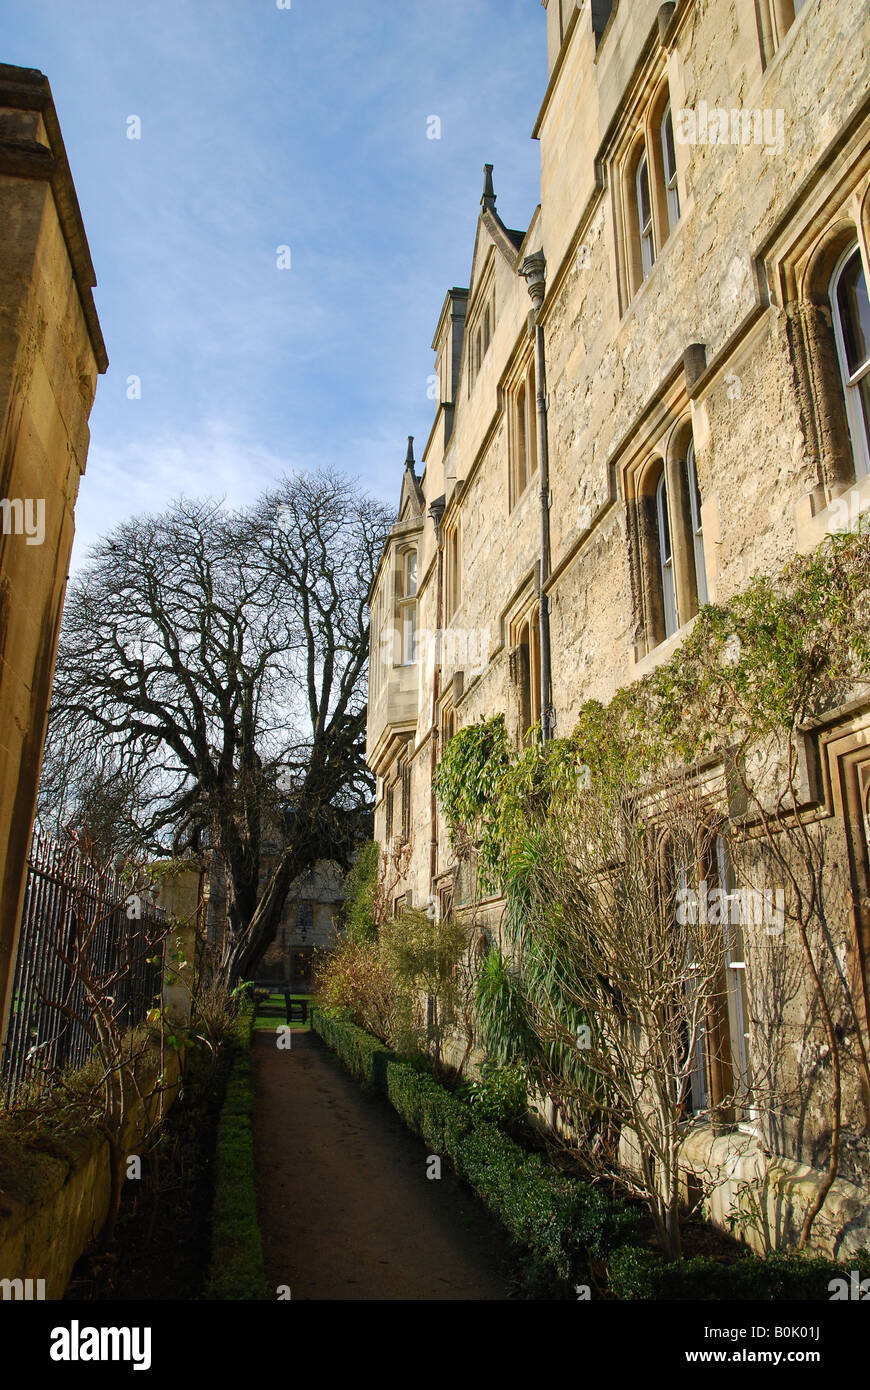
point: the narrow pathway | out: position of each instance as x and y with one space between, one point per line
345 1207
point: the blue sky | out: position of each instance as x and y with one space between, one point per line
264 127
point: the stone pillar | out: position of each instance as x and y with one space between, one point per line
51 351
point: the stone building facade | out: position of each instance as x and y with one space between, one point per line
310 922
310 926
658 389
51 353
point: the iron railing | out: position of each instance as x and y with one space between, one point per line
75 915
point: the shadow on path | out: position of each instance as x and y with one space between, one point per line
345 1207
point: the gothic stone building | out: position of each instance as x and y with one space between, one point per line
658 389
310 920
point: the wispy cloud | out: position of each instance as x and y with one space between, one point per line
263 127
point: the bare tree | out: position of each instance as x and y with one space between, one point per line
785 841
216 663
621 978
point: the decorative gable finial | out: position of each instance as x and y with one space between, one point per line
488 199
409 457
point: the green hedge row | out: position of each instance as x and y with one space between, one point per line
564 1222
559 1219
642 1274
236 1270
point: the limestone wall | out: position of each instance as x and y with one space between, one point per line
53 1210
50 354
704 348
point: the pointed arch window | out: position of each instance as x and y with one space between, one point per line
666 557
648 190
697 528
521 473
669 164
783 14
525 672
644 216
850 308
452 572
408 607
668 541
523 437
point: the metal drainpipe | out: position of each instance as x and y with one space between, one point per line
534 271
436 511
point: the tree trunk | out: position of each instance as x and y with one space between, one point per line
244 948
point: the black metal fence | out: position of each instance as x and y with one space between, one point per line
76 921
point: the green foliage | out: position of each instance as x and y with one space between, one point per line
503 1027
423 953
499 1094
354 980
364 1055
421 950
559 1219
568 1227
782 651
236 1270
379 981
359 890
467 783
636 1273
786 649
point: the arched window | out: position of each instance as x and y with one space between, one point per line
649 187
448 725
452 576
694 496
666 557
522 436
644 216
521 470
487 330
535 664
785 12
850 308
408 607
669 163
668 540
525 672
775 18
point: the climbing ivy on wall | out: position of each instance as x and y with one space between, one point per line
467 784
781 652
749 675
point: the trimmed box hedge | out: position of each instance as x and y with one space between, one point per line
558 1218
642 1274
236 1270
561 1220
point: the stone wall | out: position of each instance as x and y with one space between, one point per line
51 352
704 347
52 1209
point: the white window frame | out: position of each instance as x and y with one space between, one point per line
645 228
856 412
408 607
666 561
669 149
701 590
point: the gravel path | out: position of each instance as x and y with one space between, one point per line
346 1210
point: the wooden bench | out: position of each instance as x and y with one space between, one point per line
296 1008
